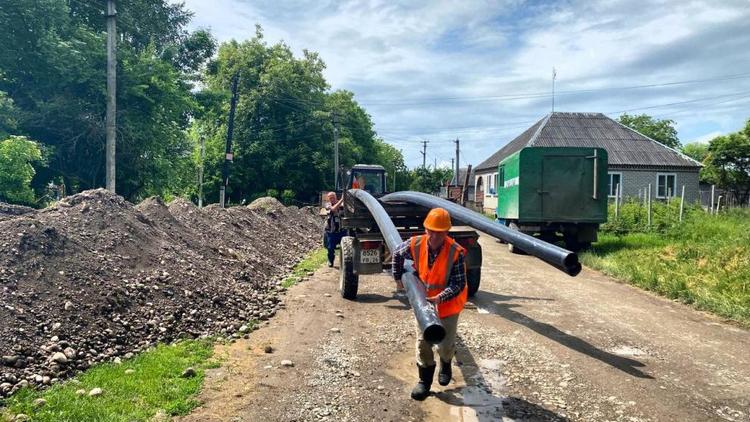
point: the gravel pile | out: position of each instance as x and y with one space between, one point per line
96 278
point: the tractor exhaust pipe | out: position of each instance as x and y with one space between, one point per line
556 256
427 320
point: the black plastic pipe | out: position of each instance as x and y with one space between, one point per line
428 321
556 256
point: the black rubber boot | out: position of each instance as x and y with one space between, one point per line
422 390
446 373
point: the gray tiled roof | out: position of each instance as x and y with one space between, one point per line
625 146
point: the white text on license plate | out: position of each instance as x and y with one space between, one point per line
369 256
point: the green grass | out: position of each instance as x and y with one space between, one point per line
704 261
311 263
155 386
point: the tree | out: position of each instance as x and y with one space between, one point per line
53 70
430 180
660 130
8 116
284 124
697 151
728 163
17 154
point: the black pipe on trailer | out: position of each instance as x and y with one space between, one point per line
428 321
556 256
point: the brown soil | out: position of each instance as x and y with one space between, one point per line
98 278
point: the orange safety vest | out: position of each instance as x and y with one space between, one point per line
435 278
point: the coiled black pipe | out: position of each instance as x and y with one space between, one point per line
428 321
556 256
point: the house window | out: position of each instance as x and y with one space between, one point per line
614 179
666 185
493 181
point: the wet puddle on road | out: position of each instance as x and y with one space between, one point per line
481 399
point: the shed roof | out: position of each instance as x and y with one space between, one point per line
462 175
625 146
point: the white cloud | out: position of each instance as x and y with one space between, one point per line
419 53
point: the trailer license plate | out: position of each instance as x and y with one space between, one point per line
369 256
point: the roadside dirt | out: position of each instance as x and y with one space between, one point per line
95 278
534 344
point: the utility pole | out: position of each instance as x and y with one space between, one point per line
554 76
453 167
457 162
200 171
111 125
228 157
434 166
424 153
336 150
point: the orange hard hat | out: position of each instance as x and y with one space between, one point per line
438 220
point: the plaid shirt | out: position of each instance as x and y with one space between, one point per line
456 280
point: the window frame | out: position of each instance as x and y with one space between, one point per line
609 182
666 186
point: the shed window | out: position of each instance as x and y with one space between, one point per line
614 179
666 185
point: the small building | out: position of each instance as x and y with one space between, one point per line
453 190
635 160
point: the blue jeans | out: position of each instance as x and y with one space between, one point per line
332 240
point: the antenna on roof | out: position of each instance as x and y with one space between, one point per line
554 76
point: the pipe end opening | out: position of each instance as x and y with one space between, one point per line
434 334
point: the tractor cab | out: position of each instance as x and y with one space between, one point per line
368 177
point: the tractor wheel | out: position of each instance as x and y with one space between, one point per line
349 281
511 247
473 277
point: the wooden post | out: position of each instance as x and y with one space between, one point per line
713 191
718 204
617 200
111 125
682 202
648 205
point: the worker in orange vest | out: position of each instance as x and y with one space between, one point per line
439 263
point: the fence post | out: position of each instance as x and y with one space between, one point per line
713 190
682 202
617 202
648 204
669 195
718 204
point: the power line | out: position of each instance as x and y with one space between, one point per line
429 100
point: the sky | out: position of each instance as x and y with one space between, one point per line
482 71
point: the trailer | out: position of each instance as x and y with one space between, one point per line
363 249
554 192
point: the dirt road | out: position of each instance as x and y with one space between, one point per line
535 344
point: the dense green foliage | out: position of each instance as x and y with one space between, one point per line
660 130
430 179
173 91
697 151
154 385
633 217
283 129
705 261
726 162
53 69
17 154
